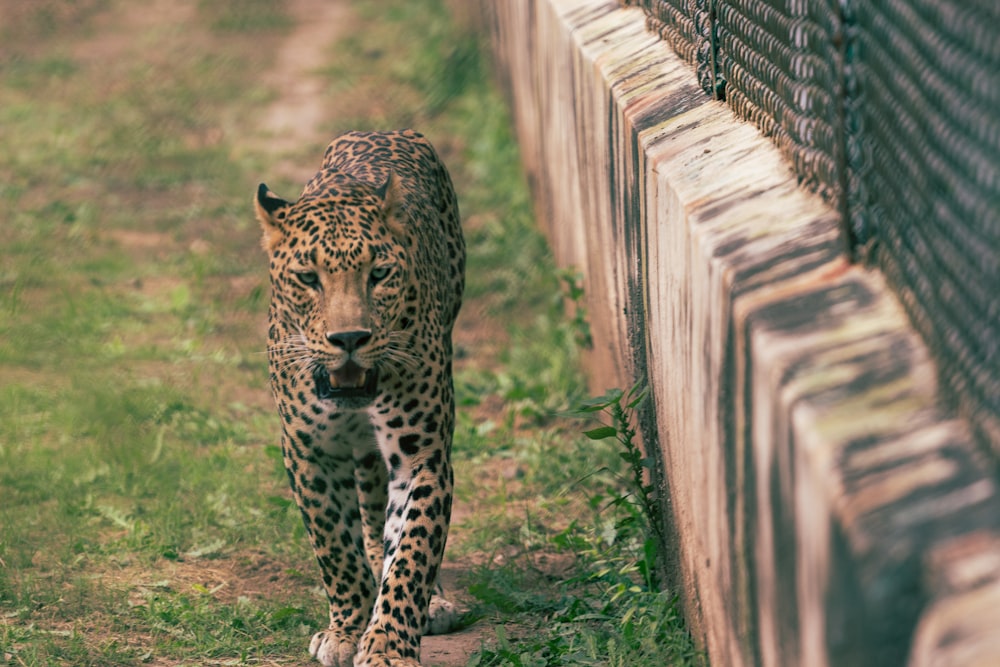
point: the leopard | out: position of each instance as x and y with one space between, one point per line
367 272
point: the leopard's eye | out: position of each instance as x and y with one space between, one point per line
380 273
308 278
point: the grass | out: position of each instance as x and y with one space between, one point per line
133 415
606 609
145 516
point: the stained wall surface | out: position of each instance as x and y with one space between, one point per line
824 507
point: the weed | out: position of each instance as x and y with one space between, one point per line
640 506
610 612
573 280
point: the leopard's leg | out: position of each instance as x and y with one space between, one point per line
321 471
416 529
371 478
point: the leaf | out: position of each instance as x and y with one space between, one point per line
210 549
287 612
116 516
279 501
636 397
180 298
599 403
486 428
601 432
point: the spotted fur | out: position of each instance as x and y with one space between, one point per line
367 272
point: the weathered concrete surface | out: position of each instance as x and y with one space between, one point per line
825 508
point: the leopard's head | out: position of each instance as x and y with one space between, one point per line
339 276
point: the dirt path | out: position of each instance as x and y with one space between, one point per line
290 125
294 120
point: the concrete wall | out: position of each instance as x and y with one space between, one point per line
824 508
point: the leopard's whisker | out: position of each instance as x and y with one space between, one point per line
282 355
305 368
297 360
402 358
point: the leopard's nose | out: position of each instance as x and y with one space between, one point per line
349 341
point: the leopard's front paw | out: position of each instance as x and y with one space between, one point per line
442 617
385 661
333 648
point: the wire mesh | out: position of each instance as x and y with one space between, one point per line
687 26
889 109
927 185
783 71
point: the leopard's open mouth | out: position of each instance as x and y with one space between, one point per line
348 381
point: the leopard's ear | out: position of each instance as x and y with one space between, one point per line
393 196
271 211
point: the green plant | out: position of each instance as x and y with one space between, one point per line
578 322
642 514
610 612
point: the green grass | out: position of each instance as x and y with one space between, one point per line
134 421
144 512
606 608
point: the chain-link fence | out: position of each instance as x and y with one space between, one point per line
891 110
